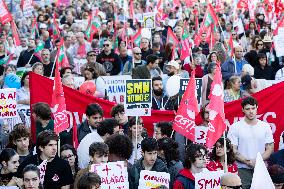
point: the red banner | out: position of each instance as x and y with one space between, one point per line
270 106
5 15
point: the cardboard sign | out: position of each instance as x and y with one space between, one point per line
8 103
115 88
184 83
138 98
113 175
153 179
208 180
279 42
200 134
149 20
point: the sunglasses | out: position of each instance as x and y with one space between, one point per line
106 45
260 44
234 187
91 55
138 53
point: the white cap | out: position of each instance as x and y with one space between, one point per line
174 64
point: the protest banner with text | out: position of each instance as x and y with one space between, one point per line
208 180
153 179
8 103
138 96
184 83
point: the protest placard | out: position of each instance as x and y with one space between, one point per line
115 87
138 98
200 134
113 175
149 20
208 180
8 103
279 42
153 179
184 83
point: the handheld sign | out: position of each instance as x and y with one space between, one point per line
8 103
115 87
184 83
201 134
113 175
138 96
153 179
208 180
149 20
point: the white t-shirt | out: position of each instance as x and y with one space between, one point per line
250 139
83 148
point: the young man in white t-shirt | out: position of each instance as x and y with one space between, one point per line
248 137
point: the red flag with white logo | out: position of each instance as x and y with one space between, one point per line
15 34
216 125
184 122
58 105
5 15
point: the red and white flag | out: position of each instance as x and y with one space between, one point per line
15 34
5 15
58 105
185 48
216 125
171 37
184 122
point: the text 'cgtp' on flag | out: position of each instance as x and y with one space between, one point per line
138 95
8 103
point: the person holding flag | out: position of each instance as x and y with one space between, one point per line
27 57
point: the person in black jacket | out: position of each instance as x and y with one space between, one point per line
27 57
262 70
149 162
109 59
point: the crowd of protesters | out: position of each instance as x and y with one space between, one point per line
111 51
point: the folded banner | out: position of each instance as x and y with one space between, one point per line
270 106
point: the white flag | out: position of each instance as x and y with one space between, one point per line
42 169
261 176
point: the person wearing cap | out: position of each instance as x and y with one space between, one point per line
147 71
137 61
91 62
173 69
233 66
230 180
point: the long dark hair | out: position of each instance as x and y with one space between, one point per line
170 148
23 78
69 147
32 167
230 154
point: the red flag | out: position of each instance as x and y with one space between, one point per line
56 31
190 3
185 49
217 123
5 15
231 46
62 60
131 9
171 37
15 34
58 105
159 10
184 122
242 4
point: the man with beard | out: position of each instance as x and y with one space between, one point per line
47 64
172 68
27 57
159 99
248 137
58 174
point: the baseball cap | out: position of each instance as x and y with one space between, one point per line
174 64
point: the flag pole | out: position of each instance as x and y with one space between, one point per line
136 139
225 152
53 65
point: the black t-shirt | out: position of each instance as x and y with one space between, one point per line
47 69
58 172
5 178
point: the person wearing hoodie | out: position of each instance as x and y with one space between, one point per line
149 161
195 162
109 59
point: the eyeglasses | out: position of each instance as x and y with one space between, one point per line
106 45
234 187
260 44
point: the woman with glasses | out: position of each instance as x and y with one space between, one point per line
195 162
217 160
168 151
256 45
68 153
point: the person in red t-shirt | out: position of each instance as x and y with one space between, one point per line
218 157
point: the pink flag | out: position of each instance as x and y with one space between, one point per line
184 122
15 34
58 105
5 15
216 110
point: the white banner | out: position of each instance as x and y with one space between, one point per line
208 180
153 179
8 103
279 42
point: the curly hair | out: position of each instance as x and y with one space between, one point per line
116 109
120 145
230 154
19 131
191 152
